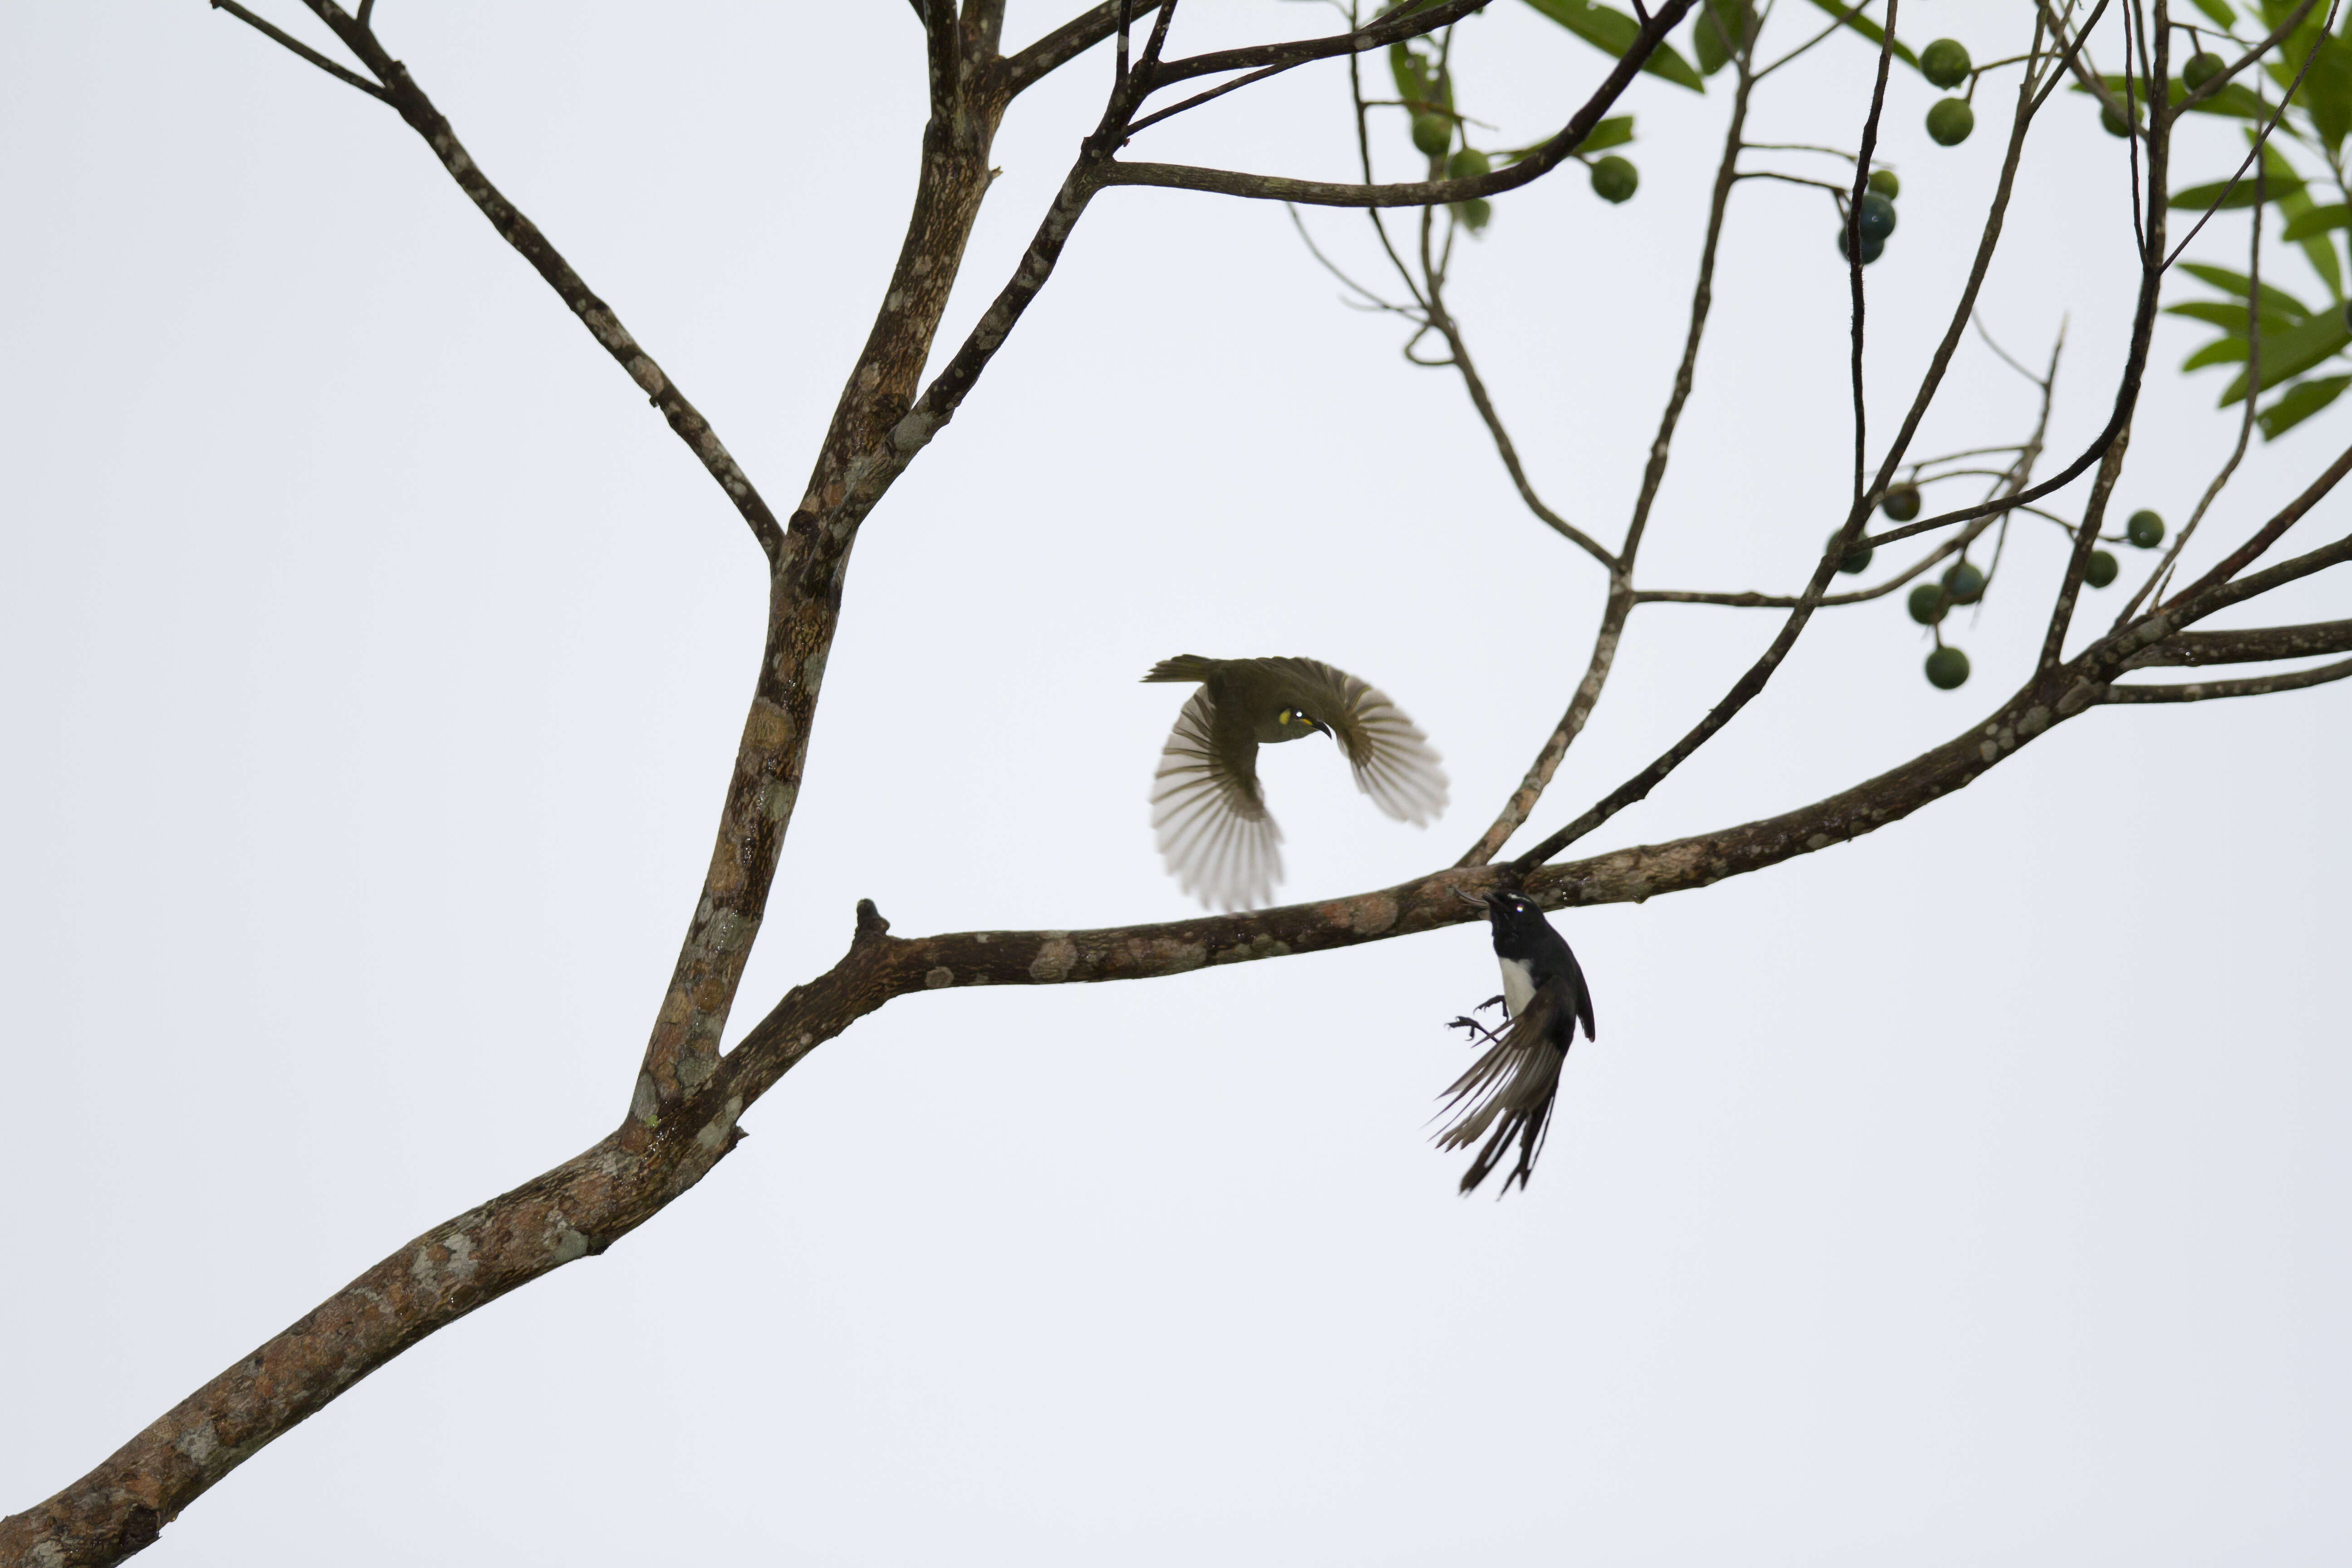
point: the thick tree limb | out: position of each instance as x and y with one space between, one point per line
582 1206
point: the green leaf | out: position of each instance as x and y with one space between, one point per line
2299 402
1723 27
1613 132
2318 248
2229 315
1853 17
2221 351
2274 300
1613 33
2295 350
2197 199
2319 220
1410 72
2219 10
2327 91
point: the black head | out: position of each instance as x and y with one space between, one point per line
1509 909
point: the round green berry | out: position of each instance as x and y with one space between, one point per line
1872 249
1468 164
1475 214
1964 583
1928 604
1615 179
2203 68
1900 502
1946 668
1945 62
2100 570
1855 560
1433 133
2144 529
1949 121
1876 215
1884 182
2112 123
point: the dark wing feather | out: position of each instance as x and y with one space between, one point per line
1508 1093
1212 824
1393 761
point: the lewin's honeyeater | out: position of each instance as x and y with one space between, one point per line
1207 805
1511 1085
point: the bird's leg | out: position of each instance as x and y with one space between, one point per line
1476 1029
1491 1002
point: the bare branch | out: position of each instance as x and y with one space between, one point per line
306 51
2246 555
1393 28
1426 193
2253 646
1067 43
2252 686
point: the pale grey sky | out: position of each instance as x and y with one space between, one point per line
372 658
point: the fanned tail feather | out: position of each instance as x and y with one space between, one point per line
1506 1096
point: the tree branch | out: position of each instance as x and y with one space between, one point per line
2254 645
2205 691
400 89
1066 43
1393 28
270 31
1426 193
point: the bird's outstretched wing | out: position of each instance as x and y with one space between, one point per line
1509 1090
1393 761
1213 831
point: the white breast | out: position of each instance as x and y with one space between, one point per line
1518 987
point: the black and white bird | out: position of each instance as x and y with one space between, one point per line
1508 1093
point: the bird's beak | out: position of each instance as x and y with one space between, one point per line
1322 726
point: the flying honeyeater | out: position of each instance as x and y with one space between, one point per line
1207 807
1511 1085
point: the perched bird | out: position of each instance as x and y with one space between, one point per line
1207 805
1511 1085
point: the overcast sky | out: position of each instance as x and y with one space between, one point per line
371 659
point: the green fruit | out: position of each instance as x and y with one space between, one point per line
1946 668
1949 121
1475 214
1964 583
1856 558
2101 569
1468 164
2112 123
1615 179
1900 502
1872 249
1433 133
1945 62
1884 182
1928 604
1876 216
2203 68
2144 529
